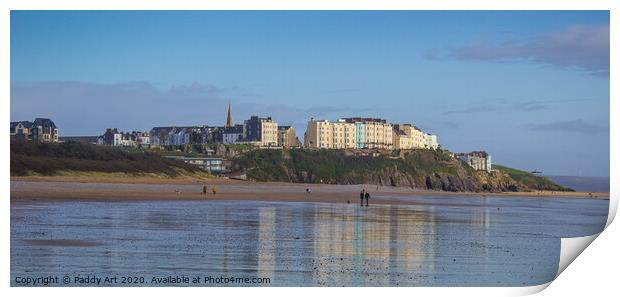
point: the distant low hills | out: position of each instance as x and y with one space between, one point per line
583 183
67 158
422 169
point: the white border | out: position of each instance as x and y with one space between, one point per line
592 268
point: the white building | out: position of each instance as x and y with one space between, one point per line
431 141
233 134
180 136
479 160
159 136
260 131
117 139
142 138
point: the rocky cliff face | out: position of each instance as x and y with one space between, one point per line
422 169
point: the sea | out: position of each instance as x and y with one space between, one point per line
583 183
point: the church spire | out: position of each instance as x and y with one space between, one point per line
229 120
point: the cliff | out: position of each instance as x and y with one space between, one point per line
423 169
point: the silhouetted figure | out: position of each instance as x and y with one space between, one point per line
367 196
204 190
348 201
362 197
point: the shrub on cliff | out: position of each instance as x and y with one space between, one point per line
428 169
53 158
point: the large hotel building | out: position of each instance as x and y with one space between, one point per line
365 133
262 131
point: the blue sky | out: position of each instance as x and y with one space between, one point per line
532 88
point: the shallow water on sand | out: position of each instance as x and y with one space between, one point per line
443 241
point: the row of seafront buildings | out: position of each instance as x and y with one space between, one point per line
41 130
260 132
116 138
366 133
257 131
372 133
344 133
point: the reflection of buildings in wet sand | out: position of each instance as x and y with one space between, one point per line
480 235
191 240
226 245
413 243
480 216
465 241
295 231
480 222
377 242
375 255
333 244
266 242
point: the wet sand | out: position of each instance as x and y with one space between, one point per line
60 242
488 242
112 189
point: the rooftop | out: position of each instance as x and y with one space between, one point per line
364 120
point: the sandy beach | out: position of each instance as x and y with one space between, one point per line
156 228
63 188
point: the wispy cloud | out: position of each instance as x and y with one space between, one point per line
582 48
574 126
474 109
500 105
531 106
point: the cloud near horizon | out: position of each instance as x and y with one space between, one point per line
83 108
574 126
502 105
581 48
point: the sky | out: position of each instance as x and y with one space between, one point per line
529 87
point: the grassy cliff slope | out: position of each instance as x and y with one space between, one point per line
424 169
530 180
29 158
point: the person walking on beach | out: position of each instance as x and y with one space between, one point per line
214 190
362 197
367 196
204 190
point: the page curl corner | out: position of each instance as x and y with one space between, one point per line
571 248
